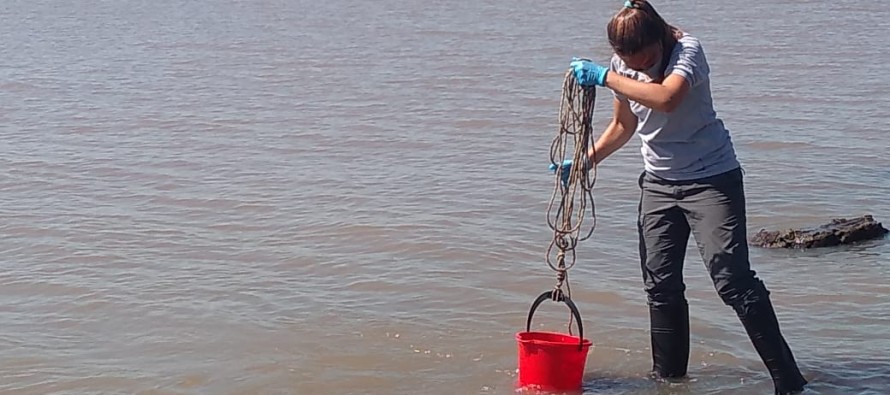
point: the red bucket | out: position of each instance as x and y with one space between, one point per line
549 361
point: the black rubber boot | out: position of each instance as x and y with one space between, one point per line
760 322
669 330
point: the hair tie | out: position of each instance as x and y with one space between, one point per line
628 4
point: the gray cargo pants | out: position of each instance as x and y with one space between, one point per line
712 209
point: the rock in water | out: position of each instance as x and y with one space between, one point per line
838 231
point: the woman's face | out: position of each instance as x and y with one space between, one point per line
644 60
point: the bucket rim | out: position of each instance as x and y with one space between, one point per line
584 342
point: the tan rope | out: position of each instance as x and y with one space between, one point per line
568 203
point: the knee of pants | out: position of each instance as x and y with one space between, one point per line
742 297
659 296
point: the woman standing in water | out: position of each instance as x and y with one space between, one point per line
692 183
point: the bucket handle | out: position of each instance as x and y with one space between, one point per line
561 297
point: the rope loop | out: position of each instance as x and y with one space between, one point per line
569 202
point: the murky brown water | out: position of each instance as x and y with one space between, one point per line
345 197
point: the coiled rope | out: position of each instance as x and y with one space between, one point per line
569 201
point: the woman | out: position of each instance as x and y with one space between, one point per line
692 183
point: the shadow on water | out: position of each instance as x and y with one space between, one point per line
837 377
860 377
598 384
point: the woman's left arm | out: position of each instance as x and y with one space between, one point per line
664 97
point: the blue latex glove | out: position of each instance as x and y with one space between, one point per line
566 171
588 73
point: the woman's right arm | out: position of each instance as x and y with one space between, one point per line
618 133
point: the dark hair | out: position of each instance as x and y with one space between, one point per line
638 26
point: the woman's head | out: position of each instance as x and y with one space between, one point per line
640 36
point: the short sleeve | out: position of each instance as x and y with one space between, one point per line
689 61
616 66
